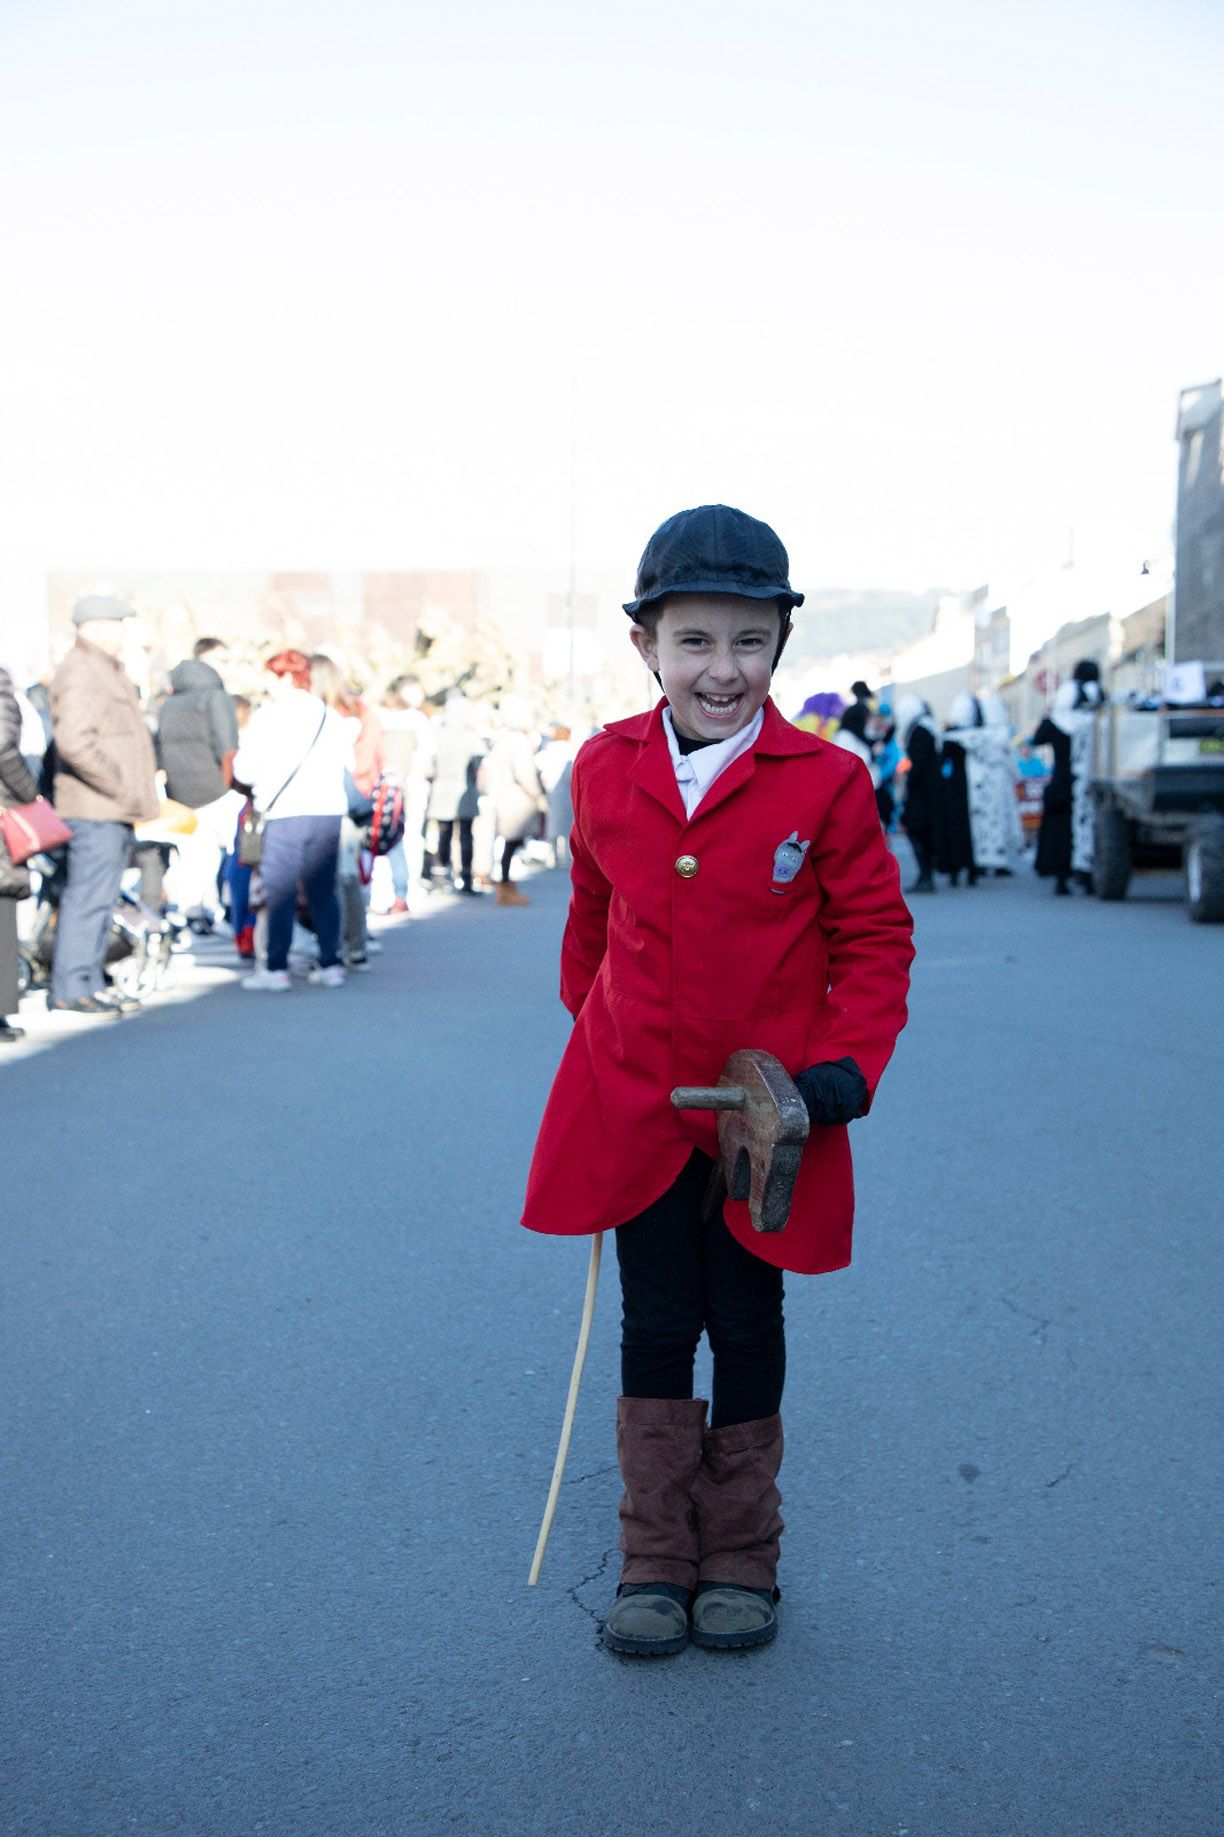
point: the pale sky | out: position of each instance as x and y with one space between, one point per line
299 285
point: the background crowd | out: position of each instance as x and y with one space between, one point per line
280 815
283 816
970 796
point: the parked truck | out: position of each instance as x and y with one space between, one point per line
1158 795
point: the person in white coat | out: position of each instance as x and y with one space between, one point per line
509 776
293 758
454 799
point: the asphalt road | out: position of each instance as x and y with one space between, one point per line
281 1378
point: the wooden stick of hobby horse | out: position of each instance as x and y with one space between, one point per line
571 1404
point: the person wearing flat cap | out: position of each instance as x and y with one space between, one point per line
105 782
732 889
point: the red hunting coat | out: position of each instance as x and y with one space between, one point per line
668 969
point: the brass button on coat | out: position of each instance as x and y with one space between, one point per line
687 866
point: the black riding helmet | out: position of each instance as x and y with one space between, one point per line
714 549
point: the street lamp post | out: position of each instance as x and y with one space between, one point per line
571 598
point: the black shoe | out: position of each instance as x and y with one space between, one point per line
923 884
471 891
82 1004
9 1033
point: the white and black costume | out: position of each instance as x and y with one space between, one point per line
980 728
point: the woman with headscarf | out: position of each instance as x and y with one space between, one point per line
1006 776
1064 845
954 828
918 737
979 727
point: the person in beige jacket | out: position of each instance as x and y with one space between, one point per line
105 781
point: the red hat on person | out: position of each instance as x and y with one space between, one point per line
291 663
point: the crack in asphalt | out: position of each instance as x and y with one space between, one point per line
596 1473
1044 1323
595 1576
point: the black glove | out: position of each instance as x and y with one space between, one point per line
834 1092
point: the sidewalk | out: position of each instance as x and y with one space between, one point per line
209 964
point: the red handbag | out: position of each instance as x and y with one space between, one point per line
30 829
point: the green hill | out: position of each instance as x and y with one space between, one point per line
836 620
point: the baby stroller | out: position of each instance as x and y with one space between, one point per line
138 949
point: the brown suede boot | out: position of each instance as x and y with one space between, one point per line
737 1499
658 1443
507 894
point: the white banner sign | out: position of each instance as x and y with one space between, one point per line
1185 682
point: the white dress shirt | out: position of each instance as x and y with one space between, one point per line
696 771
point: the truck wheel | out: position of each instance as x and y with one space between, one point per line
1111 853
1205 870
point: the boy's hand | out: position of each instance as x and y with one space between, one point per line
835 1092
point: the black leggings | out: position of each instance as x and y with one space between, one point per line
446 843
681 1274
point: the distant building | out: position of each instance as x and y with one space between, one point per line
992 642
940 666
1198 617
1127 644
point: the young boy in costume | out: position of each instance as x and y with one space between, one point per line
731 888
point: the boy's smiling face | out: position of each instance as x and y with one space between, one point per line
715 655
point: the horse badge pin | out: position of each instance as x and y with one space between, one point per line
788 859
